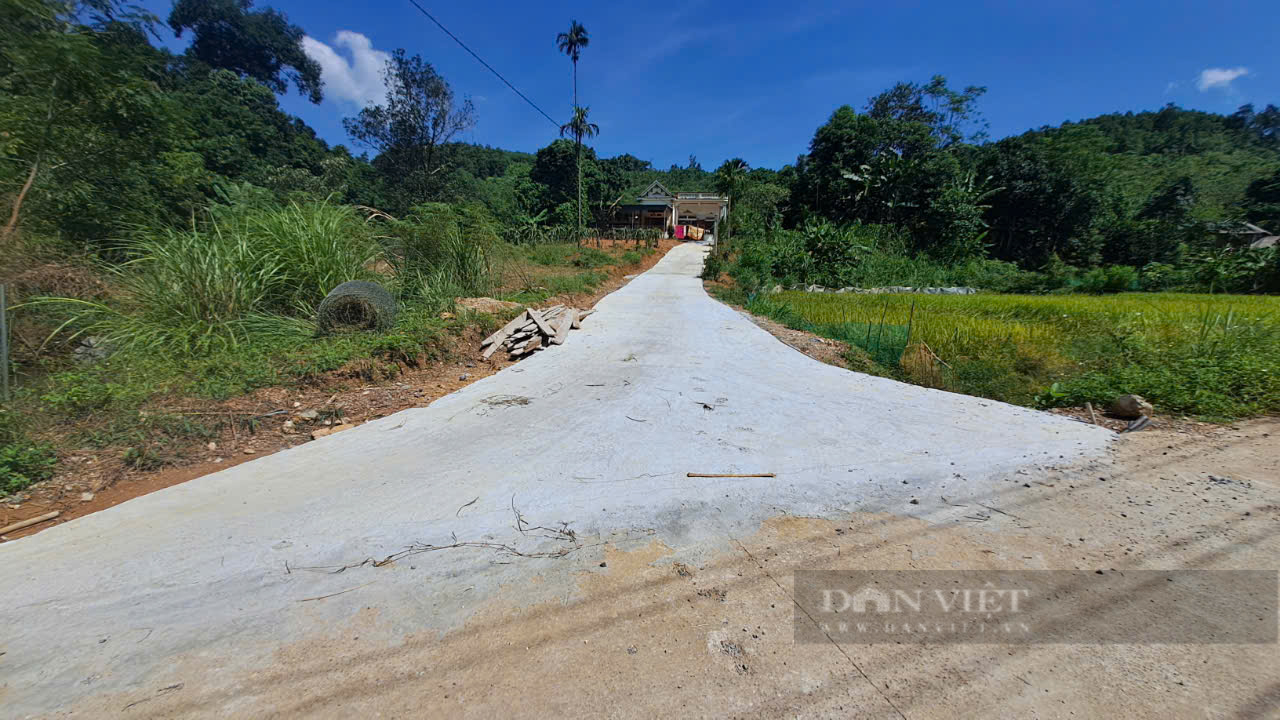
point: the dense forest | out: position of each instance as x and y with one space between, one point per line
1150 200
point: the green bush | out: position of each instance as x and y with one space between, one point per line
75 393
22 464
1113 279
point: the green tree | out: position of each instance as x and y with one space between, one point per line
1262 202
555 171
261 44
571 43
579 127
872 170
419 115
79 114
1048 206
731 176
946 111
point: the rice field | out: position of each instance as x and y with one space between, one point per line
1215 356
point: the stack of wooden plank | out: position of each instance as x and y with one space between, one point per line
534 330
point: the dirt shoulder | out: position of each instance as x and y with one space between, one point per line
90 480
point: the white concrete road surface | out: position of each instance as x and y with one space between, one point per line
599 434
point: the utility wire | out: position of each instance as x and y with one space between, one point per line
482 62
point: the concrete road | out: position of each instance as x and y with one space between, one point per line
538 473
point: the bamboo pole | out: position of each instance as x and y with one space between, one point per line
29 522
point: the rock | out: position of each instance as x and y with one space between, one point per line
447 316
1131 406
91 350
86 496
212 446
464 376
776 289
815 289
487 305
249 451
323 432
309 414
288 426
297 404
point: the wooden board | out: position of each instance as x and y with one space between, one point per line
507 329
542 324
577 321
562 332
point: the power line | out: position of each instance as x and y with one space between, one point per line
482 62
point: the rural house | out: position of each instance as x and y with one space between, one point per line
658 207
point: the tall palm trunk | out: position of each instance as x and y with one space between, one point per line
578 138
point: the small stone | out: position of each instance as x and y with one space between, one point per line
309 414
248 451
915 501
297 404
327 422
464 376
212 446
288 426
323 432
86 496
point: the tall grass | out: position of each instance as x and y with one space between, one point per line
1208 355
240 271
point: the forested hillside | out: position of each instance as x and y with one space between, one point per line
910 191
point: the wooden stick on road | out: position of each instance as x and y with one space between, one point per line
29 522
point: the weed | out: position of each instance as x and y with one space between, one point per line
22 464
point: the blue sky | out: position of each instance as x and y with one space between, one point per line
754 79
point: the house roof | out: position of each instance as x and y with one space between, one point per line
656 189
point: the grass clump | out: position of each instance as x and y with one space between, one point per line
22 462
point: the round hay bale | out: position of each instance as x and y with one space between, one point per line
356 305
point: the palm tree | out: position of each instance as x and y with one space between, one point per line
571 44
729 179
579 127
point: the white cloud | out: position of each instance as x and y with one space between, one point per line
1219 77
1170 87
358 80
